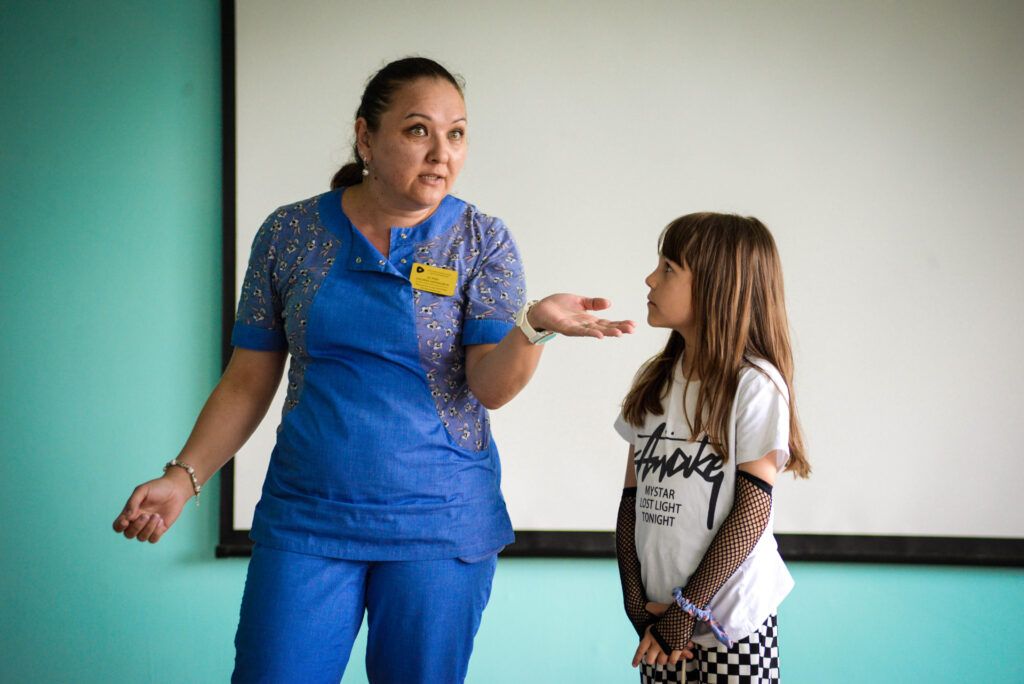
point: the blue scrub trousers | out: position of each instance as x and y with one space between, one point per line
300 615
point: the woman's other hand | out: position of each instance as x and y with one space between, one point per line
569 314
231 414
154 506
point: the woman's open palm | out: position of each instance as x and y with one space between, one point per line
569 314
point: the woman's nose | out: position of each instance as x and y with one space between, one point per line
439 151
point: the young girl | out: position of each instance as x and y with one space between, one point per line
710 422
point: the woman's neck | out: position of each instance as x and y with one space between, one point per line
374 217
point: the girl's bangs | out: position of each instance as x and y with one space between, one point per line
673 241
679 241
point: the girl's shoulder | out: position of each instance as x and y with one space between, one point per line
758 375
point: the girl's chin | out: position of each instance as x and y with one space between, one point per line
655 322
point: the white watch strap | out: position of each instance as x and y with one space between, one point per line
523 323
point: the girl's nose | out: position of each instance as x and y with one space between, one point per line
648 279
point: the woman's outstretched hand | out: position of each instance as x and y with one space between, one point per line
153 507
569 314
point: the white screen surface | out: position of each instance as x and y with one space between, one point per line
882 143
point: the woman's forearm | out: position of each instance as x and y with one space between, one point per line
233 411
496 373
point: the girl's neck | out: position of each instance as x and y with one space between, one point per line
687 368
689 371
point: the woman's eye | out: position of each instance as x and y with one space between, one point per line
418 130
457 135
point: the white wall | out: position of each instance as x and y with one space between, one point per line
881 142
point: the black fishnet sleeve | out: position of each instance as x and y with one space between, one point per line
732 544
633 595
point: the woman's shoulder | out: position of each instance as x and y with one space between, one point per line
487 225
290 225
295 215
305 207
760 375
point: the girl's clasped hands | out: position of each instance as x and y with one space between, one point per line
649 651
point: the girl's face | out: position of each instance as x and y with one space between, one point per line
418 150
670 301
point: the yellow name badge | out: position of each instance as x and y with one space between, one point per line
433 279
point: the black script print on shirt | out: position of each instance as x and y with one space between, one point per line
655 458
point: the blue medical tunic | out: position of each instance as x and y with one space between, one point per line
382 452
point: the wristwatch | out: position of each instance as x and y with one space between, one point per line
532 336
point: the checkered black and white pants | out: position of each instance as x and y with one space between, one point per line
754 660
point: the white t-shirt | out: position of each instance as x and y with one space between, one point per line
684 493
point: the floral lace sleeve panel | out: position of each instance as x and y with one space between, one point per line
491 289
496 287
291 255
258 322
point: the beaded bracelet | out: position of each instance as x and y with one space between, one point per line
196 487
702 615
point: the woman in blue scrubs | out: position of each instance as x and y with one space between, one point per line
403 311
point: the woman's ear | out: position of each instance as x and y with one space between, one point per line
363 139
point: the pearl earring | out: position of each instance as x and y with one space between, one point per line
366 168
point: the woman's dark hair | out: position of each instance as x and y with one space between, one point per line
377 98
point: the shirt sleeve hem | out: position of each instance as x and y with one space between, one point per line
780 461
257 339
485 331
624 429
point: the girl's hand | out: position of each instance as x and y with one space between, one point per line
650 652
568 314
154 506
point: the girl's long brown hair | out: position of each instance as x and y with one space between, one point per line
739 305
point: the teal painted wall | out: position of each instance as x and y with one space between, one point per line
110 189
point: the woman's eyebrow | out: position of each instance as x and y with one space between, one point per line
424 116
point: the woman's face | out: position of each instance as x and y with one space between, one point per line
417 153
